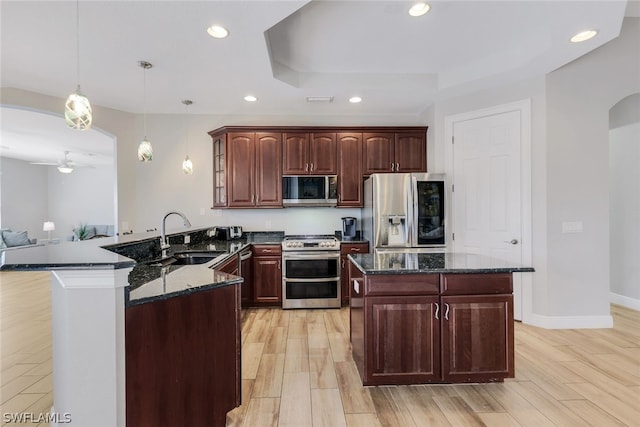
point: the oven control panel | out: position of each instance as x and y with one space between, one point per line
310 244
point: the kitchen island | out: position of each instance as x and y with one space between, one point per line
424 317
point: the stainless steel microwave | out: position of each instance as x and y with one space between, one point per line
307 190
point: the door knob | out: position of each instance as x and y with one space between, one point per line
512 241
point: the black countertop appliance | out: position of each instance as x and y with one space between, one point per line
349 226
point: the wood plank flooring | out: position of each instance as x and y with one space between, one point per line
297 371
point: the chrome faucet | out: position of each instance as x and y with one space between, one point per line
164 243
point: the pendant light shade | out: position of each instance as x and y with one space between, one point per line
145 150
187 164
77 109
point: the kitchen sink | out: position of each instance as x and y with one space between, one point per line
187 258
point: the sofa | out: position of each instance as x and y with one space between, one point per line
92 231
10 240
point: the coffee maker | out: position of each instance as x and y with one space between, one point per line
349 226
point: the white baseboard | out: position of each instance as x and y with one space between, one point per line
571 322
624 301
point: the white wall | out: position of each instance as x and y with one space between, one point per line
33 194
579 96
120 124
23 197
624 158
84 196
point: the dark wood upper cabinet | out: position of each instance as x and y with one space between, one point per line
249 161
254 169
268 171
378 152
309 153
295 151
240 167
350 183
394 152
410 152
322 154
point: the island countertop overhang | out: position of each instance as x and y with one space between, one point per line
425 262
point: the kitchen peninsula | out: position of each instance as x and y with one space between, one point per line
423 317
136 342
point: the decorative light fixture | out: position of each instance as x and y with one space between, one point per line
77 109
65 166
187 164
355 99
49 226
584 36
145 150
218 31
419 9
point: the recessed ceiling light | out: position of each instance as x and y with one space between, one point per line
217 31
419 9
355 99
250 98
584 36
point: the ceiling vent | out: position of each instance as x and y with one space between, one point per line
315 99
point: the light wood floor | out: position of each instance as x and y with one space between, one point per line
297 371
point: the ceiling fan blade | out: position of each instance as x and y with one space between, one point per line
44 163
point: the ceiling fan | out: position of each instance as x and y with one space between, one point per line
64 166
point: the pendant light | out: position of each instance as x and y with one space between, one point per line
145 150
77 109
187 164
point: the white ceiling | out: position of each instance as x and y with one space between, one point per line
284 51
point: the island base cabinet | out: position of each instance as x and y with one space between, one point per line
405 340
430 328
183 359
477 338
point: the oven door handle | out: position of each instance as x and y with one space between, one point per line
321 279
323 255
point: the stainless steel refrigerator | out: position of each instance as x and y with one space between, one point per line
404 210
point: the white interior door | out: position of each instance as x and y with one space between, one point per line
487 217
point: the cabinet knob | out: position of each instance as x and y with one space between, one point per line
311 167
446 313
512 241
306 167
397 167
437 310
393 165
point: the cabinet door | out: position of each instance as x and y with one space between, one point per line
295 158
322 154
403 336
247 285
241 152
350 186
477 338
220 171
268 172
377 152
267 280
410 152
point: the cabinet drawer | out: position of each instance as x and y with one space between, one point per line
259 250
354 248
402 284
476 284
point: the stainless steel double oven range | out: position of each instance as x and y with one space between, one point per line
311 272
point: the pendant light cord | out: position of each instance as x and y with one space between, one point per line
78 40
144 101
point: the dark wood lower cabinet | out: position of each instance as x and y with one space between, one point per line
405 338
267 275
477 338
183 359
415 329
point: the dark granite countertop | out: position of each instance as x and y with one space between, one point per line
421 262
148 282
